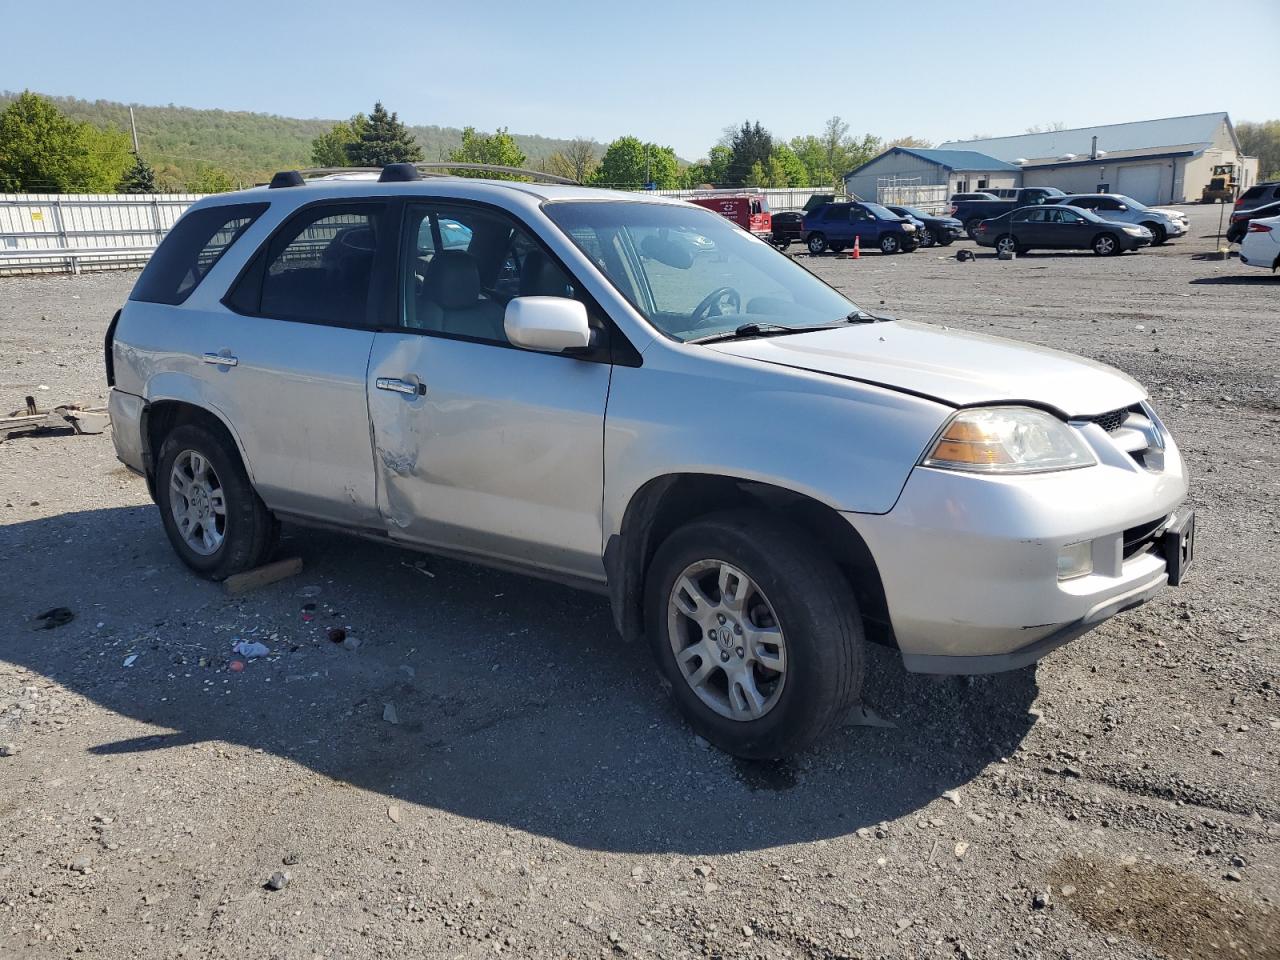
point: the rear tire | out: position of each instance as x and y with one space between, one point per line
216 522
971 227
1005 243
794 594
1106 245
817 244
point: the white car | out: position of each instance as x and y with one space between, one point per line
1261 244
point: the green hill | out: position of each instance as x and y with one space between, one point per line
181 141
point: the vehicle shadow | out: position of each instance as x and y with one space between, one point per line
515 700
1240 279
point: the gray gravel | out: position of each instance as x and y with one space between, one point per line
535 794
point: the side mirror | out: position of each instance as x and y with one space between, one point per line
547 324
1122 207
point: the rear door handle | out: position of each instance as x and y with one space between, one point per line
220 360
401 386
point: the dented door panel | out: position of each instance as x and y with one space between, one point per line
498 451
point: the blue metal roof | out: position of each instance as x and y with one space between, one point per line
951 159
1139 135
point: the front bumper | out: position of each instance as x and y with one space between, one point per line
969 563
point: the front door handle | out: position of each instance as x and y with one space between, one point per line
221 360
401 386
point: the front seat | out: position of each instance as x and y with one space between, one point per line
450 300
540 277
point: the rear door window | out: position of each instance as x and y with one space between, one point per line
191 248
317 268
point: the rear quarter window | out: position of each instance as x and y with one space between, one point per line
191 248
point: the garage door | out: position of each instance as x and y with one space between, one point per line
1141 182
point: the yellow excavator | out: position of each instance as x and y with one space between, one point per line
1221 187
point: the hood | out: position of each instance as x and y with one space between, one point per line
1166 212
949 365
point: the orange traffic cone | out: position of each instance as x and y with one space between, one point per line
857 249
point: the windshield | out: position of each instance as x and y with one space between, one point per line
692 273
914 212
1132 203
879 212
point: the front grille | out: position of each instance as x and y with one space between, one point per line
1138 539
1112 420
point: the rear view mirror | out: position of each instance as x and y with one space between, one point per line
667 251
547 324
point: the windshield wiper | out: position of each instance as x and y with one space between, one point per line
863 316
752 329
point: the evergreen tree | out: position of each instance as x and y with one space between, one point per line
384 140
141 178
752 144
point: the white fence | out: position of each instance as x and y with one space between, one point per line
42 233
778 198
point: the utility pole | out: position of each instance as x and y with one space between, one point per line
133 125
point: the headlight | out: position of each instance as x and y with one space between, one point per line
1136 231
1008 440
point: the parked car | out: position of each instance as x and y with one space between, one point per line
1260 193
982 195
833 226
931 228
1055 227
1162 223
788 228
1261 245
1240 219
758 474
973 212
750 211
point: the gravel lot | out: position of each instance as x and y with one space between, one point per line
538 795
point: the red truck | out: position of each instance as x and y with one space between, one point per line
750 211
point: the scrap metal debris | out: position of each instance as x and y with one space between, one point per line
32 419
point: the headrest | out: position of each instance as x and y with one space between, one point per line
540 277
452 280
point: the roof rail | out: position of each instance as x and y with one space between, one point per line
398 172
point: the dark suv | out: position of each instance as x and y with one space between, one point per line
835 226
1266 192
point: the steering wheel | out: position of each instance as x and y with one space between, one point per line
702 312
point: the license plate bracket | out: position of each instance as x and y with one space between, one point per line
1179 543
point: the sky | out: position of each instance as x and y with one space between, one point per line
673 73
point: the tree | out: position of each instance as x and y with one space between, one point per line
211 180
496 148
786 169
833 153
140 178
628 162
383 140
581 155
907 141
752 144
42 151
1261 140
330 148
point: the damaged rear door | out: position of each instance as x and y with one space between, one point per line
480 446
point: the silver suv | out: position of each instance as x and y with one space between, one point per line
1164 224
635 396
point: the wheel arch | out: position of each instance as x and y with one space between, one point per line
665 503
162 416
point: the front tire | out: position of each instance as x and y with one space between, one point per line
756 631
926 237
1158 233
214 518
890 244
817 244
1106 245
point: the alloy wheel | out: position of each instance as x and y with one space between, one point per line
197 503
727 641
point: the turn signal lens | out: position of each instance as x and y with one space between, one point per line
1008 440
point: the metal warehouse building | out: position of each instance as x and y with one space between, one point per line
956 171
1153 161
